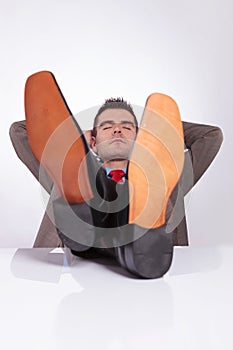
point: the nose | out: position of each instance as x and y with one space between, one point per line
116 129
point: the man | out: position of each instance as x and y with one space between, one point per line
113 135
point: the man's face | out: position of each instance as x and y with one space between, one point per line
116 132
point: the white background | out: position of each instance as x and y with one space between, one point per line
99 49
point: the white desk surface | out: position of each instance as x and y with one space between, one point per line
51 300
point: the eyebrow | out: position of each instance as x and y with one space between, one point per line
114 122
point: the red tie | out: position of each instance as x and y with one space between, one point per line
117 175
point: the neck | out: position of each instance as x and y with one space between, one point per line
116 164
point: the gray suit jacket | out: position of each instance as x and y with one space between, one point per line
202 143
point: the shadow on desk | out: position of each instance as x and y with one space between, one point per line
190 260
46 264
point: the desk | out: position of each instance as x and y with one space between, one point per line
52 300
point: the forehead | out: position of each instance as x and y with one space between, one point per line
116 115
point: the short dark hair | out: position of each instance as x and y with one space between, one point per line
111 103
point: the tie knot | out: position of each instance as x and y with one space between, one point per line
117 175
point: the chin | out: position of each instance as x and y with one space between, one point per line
115 157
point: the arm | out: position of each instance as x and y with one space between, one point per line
19 139
203 143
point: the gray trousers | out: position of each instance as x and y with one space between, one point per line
202 143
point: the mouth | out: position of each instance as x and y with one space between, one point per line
118 139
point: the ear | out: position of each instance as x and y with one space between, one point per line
93 144
87 135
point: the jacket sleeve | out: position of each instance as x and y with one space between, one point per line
19 139
203 143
